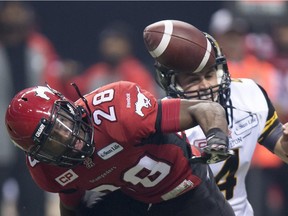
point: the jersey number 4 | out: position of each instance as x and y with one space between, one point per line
226 179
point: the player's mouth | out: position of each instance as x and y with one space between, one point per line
79 144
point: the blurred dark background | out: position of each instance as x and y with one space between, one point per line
73 27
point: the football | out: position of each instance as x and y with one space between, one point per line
178 46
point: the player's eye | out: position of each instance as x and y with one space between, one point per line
209 76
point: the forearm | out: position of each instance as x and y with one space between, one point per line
208 115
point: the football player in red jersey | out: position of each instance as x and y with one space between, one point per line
120 137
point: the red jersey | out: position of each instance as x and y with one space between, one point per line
133 152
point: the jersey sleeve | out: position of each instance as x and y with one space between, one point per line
148 115
273 127
127 113
123 111
138 112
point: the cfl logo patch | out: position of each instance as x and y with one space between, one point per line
66 177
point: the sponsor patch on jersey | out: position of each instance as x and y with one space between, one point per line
110 150
142 102
66 177
246 124
181 188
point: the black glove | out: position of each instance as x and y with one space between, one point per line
217 146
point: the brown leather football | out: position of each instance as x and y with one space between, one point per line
178 46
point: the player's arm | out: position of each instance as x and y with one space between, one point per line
204 113
181 114
281 147
275 135
209 115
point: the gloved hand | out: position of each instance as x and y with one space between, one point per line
217 146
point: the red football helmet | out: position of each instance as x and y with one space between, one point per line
49 127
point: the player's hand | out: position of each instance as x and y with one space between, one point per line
284 138
285 133
217 146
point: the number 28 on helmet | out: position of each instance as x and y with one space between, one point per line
49 127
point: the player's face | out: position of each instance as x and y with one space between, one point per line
62 135
201 84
